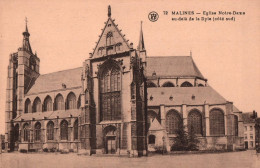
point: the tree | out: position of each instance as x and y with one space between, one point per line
181 140
192 140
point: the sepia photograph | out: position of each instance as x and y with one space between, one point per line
120 84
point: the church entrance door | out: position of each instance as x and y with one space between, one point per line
246 145
111 145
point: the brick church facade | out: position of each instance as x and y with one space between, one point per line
120 101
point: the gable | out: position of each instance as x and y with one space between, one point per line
111 41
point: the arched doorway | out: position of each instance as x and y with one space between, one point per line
110 140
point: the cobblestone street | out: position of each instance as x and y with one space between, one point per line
246 159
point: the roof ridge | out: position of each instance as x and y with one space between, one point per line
165 56
60 71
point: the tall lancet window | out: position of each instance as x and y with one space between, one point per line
109 38
110 88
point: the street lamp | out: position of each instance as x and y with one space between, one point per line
163 138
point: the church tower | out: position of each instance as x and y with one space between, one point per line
23 69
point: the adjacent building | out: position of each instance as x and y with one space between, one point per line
250 130
120 101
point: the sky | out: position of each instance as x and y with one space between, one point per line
64 32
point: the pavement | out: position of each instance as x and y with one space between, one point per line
243 159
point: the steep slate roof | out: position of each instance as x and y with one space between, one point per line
235 109
247 117
174 66
53 81
49 115
183 95
155 125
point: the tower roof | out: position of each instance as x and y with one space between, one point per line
26 43
141 40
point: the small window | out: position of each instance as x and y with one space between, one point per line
200 85
151 139
251 136
245 128
251 128
245 136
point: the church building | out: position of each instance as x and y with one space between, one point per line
120 101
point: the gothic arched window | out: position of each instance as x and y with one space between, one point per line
28 106
59 102
109 38
173 121
76 134
47 104
64 130
236 125
26 132
50 130
71 101
168 84
37 131
195 122
37 105
110 88
216 121
186 84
